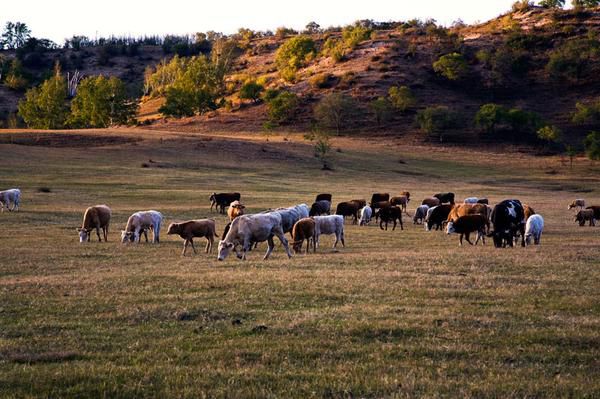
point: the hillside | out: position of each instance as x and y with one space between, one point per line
507 62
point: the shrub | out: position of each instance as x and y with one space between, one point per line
17 83
550 134
179 103
574 60
334 110
401 98
322 148
585 3
592 146
251 91
333 48
552 3
353 35
321 80
451 66
381 109
489 116
45 107
587 113
522 5
281 106
294 54
434 121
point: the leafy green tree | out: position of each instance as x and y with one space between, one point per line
592 146
334 48
587 112
15 35
489 116
451 66
334 110
179 103
281 106
436 120
574 60
251 91
293 55
381 109
550 134
401 98
552 3
45 107
312 28
101 102
322 147
15 78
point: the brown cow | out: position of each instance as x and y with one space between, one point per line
465 225
468 209
400 201
431 202
390 214
195 228
528 211
304 229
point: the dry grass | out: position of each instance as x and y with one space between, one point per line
395 314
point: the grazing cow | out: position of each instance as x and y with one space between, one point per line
379 197
445 198
324 197
400 201
585 215
390 214
7 197
534 228
465 225
223 200
508 218
333 224
468 209
577 204
420 214
483 201
304 229
141 222
236 208
528 211
431 202
596 210
349 208
471 200
321 207
365 215
405 194
437 216
377 206
95 217
192 229
289 216
247 229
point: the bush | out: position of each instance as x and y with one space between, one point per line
451 66
334 48
574 60
321 80
585 3
251 91
45 107
294 54
552 3
281 105
334 110
550 134
353 35
17 83
179 103
434 121
381 109
587 113
401 98
592 146
489 116
522 5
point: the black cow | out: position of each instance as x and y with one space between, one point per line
438 216
483 201
445 198
349 208
379 197
323 197
223 200
596 210
390 214
322 207
508 218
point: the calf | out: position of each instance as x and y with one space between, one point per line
223 200
95 217
8 197
321 207
139 223
192 229
365 215
585 215
420 214
534 228
304 229
333 224
236 208
465 225
445 198
390 214
577 204
400 201
431 202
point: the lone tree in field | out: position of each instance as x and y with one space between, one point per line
592 146
322 147
451 66
45 107
334 110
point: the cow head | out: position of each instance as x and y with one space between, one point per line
225 248
127 236
84 235
213 197
173 228
450 228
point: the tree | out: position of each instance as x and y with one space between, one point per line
101 102
15 35
574 60
381 109
587 113
251 91
294 54
15 78
45 107
281 106
401 97
552 3
435 120
322 147
334 110
571 153
490 115
451 66
550 134
312 28
585 3
592 146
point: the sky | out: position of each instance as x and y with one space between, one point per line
60 19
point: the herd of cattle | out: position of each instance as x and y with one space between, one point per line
508 222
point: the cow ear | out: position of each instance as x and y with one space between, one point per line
229 245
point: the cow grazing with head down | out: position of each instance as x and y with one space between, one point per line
468 209
465 225
508 218
324 197
445 198
534 228
304 230
247 229
437 216
405 194
8 197
319 208
95 217
192 229
350 208
390 214
420 214
223 200
528 211
141 222
578 204
365 215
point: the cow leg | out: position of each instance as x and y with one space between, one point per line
523 235
468 237
98 233
394 228
270 247
401 224
380 224
342 239
209 243
460 240
156 234
281 236
105 230
185 245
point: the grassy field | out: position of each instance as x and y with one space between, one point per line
394 314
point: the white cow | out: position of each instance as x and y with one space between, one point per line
289 216
420 214
534 228
332 224
141 222
248 229
471 200
10 196
429 212
365 215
